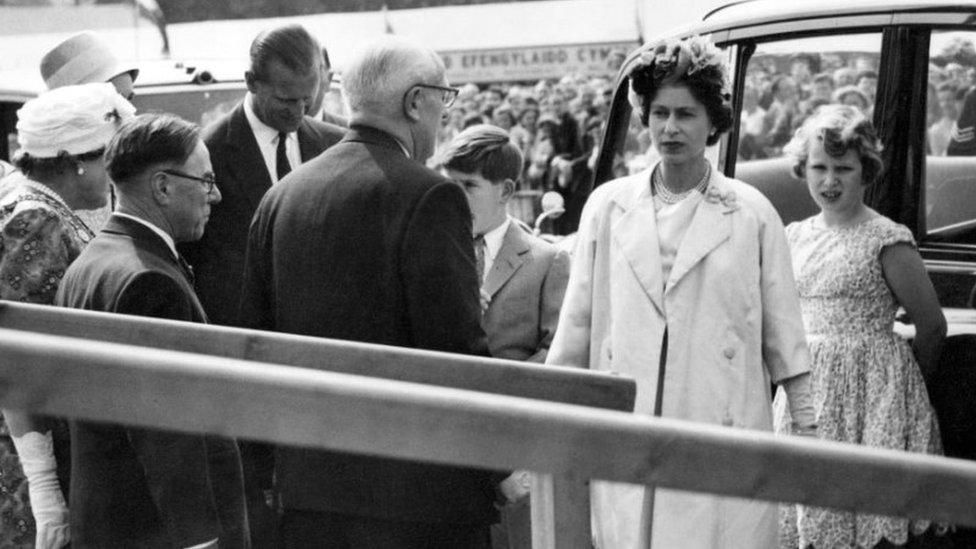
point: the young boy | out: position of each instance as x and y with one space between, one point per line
523 278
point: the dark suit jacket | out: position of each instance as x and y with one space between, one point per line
525 285
134 486
243 178
364 244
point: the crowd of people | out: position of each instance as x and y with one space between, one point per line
776 103
393 226
556 125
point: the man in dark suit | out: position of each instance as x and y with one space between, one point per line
365 243
319 108
252 148
523 278
139 487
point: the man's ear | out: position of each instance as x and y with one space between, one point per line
251 80
508 191
161 188
411 104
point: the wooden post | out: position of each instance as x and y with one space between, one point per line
508 377
560 512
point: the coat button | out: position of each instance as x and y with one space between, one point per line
729 353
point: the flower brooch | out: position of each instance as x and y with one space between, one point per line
714 195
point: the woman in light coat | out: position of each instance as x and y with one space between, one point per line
682 279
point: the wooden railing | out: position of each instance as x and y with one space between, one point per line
81 376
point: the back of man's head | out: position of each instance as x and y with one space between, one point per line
147 141
379 74
483 149
290 45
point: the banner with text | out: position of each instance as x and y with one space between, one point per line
532 63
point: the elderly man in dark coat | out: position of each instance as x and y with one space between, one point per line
365 243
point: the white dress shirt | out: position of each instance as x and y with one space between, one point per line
267 138
493 243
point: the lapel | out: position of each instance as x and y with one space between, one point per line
635 234
246 163
150 242
710 227
509 259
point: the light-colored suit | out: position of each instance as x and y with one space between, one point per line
525 285
732 315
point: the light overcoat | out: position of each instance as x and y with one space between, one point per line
732 315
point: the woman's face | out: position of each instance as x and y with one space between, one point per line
854 100
679 124
835 182
529 118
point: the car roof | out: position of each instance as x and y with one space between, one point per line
765 18
23 83
760 12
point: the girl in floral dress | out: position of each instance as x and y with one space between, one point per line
854 268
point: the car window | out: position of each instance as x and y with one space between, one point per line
950 138
785 82
201 105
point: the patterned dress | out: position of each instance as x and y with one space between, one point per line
39 237
866 384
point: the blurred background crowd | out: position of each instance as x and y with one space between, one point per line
557 124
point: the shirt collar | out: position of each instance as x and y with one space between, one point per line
162 234
495 238
262 132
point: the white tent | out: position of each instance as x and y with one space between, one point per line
484 42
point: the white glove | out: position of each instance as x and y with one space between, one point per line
516 486
36 452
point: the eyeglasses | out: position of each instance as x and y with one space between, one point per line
448 95
209 180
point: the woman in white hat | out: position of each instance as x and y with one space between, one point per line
62 135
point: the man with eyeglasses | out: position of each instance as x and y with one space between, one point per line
130 486
365 243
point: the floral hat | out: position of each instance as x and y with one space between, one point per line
672 59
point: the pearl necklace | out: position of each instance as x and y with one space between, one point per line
667 196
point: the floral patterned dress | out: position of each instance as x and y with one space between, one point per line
866 384
39 237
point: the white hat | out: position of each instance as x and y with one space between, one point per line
82 59
74 119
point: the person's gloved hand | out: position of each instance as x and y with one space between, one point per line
36 452
516 486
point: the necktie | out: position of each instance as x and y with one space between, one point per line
281 158
479 256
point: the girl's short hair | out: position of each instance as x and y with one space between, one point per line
694 63
840 128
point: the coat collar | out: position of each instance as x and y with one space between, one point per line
510 257
635 233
